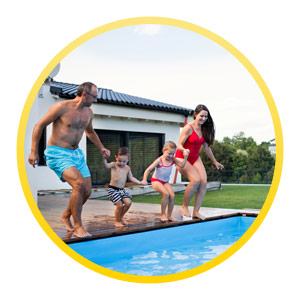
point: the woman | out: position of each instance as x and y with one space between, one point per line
195 134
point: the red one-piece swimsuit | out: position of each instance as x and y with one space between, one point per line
193 143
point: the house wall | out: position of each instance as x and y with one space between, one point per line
109 117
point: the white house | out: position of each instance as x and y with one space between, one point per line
141 124
272 147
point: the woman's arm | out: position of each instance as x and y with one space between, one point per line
185 133
180 163
211 156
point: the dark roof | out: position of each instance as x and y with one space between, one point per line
69 91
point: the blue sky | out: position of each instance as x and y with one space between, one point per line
176 66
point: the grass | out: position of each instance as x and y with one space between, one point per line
231 196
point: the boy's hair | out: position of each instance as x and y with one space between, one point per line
123 151
169 144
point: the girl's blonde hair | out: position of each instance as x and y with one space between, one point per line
169 144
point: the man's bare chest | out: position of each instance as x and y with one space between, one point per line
76 120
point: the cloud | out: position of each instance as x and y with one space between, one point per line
148 29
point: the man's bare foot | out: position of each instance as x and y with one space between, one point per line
124 222
185 211
81 232
67 223
196 215
171 219
119 224
163 218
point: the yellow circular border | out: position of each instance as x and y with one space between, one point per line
138 21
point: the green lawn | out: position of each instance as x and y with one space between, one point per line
231 196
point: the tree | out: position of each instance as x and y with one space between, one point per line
223 152
243 159
261 159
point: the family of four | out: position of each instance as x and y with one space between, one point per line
71 118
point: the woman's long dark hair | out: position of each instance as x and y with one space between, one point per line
208 128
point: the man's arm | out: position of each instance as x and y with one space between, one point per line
53 113
94 138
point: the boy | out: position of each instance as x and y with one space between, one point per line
120 171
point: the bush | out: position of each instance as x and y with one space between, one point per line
257 178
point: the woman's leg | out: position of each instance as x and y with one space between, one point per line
191 174
159 187
201 191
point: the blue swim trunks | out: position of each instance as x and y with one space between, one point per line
59 159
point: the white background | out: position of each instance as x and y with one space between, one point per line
33 32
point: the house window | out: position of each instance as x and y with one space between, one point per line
42 147
144 148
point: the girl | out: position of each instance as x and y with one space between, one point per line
160 179
195 134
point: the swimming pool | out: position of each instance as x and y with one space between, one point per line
165 251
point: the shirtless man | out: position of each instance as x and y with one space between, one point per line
70 119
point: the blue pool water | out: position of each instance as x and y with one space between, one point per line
165 251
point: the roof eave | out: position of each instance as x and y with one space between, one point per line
140 106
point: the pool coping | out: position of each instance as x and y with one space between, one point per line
161 226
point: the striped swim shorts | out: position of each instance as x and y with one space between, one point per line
116 194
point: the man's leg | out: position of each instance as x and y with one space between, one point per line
87 182
78 197
65 217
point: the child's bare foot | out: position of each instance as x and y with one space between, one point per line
81 232
196 215
171 219
185 211
163 218
125 223
119 224
67 223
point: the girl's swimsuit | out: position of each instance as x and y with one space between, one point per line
162 173
193 143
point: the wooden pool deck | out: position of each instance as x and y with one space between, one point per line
98 217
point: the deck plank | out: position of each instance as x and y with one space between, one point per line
98 217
